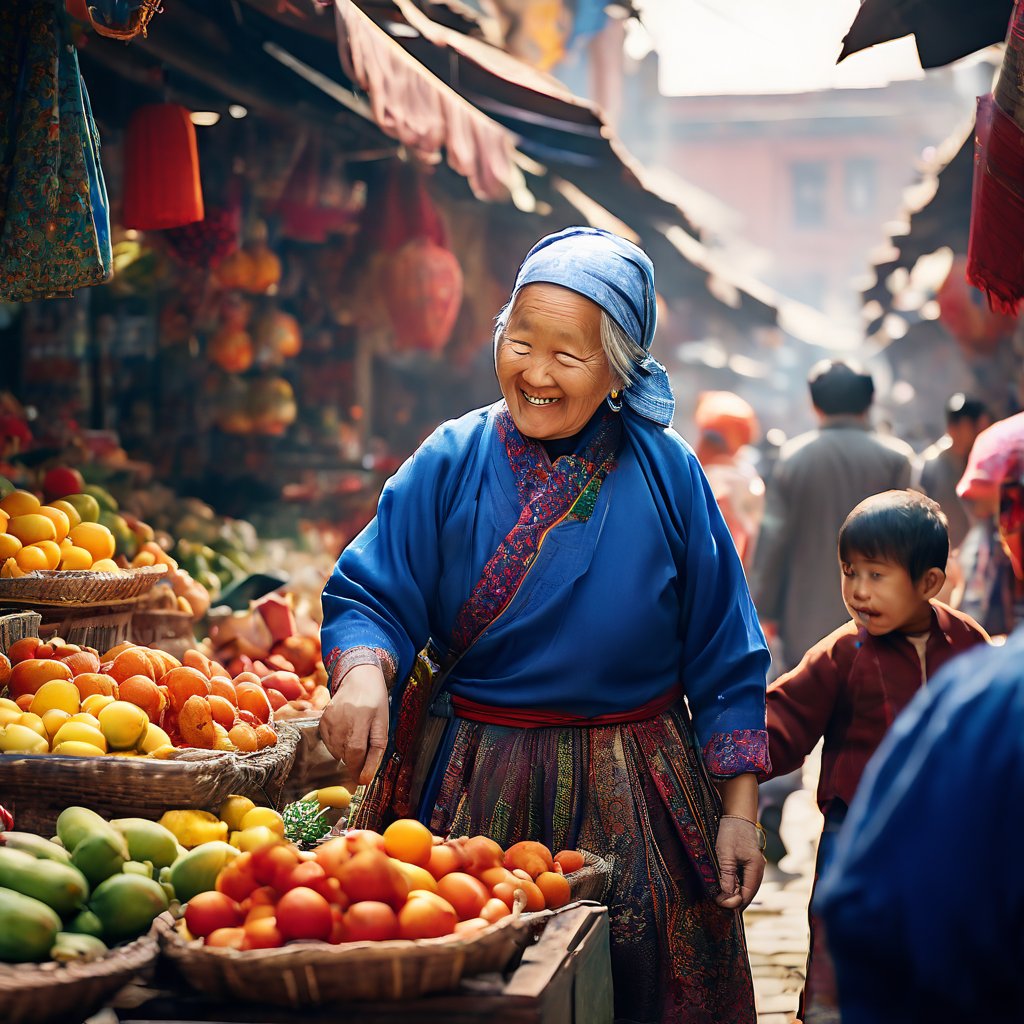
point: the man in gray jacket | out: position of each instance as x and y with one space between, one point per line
818 480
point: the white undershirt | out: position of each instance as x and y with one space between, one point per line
920 642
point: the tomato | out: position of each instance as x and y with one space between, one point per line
305 873
237 879
229 938
482 853
571 860
304 914
339 933
424 918
262 934
208 911
370 919
445 858
464 892
554 888
331 890
375 877
332 854
269 860
408 840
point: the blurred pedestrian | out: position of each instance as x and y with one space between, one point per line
818 479
849 687
728 424
943 464
918 933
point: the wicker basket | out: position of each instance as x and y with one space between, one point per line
37 787
16 626
40 993
63 587
311 973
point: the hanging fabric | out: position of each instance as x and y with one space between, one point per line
54 220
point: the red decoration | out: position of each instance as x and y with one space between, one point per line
161 169
965 314
423 288
205 243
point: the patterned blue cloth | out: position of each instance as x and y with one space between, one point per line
619 277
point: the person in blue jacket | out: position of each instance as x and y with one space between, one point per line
511 640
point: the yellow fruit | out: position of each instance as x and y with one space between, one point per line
334 796
69 510
233 809
7 715
20 739
20 503
60 521
124 753
143 558
266 816
250 839
95 703
193 828
75 558
123 724
35 723
154 738
79 732
52 552
9 704
95 538
4 520
53 720
56 694
32 528
9 545
11 570
165 752
105 565
76 748
31 558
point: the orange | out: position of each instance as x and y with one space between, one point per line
4 519
9 546
28 676
143 693
32 528
409 840
69 510
52 552
31 558
90 683
555 889
61 523
135 661
95 538
20 503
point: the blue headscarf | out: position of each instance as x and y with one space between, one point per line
619 277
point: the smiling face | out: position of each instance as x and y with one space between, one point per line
880 595
551 367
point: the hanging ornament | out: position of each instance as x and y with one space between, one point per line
964 312
423 289
205 243
161 169
231 349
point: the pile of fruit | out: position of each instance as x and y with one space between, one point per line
131 701
404 884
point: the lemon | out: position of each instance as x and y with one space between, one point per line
9 546
59 519
95 703
6 702
266 816
51 550
76 748
88 718
32 528
56 694
80 733
20 739
250 839
233 809
53 720
7 715
123 724
35 723
20 503
69 510
95 538
75 558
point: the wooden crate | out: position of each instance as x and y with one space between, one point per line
565 978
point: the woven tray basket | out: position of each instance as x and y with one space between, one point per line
62 587
311 973
37 787
40 993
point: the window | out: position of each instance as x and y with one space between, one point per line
861 186
810 181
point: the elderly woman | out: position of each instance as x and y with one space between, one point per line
591 659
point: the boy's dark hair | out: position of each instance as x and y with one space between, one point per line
839 388
904 527
960 407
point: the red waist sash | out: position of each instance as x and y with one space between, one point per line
531 718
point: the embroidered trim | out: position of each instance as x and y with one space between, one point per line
743 750
339 663
550 494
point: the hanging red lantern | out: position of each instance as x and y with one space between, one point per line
161 169
964 312
423 289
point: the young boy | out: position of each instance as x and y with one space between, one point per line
850 687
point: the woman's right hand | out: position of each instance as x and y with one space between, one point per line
354 726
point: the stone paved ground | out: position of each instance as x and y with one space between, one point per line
776 920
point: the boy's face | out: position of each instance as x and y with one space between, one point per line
881 596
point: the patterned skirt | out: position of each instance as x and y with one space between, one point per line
619 792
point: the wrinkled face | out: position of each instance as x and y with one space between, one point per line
551 367
880 595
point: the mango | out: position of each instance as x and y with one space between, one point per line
80 733
77 748
153 739
123 724
100 855
30 928
35 723
75 823
197 871
20 739
56 694
85 923
144 868
61 887
41 849
53 720
77 947
127 904
193 828
148 840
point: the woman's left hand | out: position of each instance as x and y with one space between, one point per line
739 847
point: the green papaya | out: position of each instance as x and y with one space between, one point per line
36 846
60 886
197 871
85 923
127 904
75 823
73 946
29 928
100 855
148 840
144 868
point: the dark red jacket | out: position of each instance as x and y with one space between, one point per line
849 688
